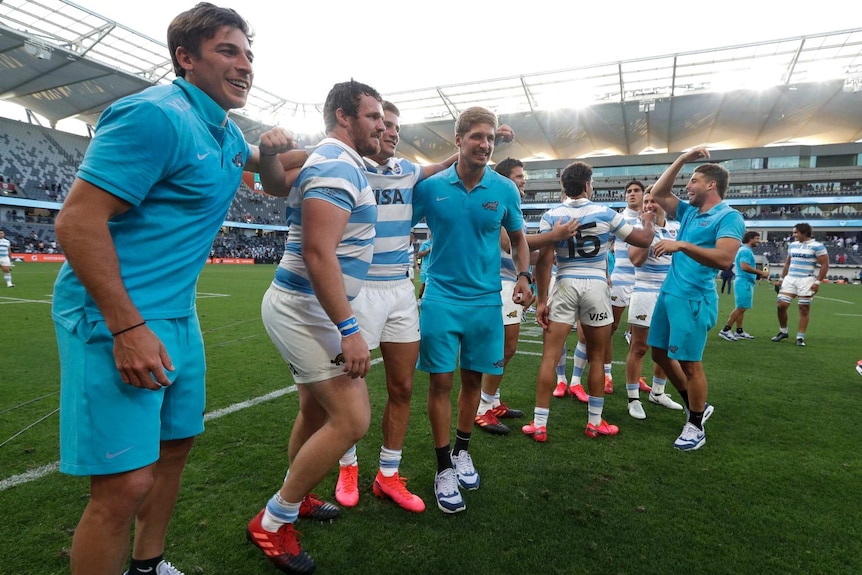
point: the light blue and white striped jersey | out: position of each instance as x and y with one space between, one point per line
803 257
336 174
585 255
623 273
392 183
649 277
5 248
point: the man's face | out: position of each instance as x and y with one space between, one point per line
476 146
634 197
518 176
698 189
224 68
755 241
366 129
650 205
799 236
390 138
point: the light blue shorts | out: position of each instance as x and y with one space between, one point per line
680 326
447 328
744 297
107 426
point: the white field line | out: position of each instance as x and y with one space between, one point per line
40 472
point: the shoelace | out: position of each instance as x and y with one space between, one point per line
463 463
447 482
290 539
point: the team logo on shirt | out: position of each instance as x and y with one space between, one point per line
491 206
339 360
237 160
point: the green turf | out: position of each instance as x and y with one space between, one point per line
774 491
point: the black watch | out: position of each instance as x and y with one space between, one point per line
527 275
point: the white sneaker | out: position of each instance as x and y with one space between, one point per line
464 469
446 492
665 401
636 409
727 335
859 367
164 568
744 335
691 438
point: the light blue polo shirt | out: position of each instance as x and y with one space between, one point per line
173 154
466 230
687 278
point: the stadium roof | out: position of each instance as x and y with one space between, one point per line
62 61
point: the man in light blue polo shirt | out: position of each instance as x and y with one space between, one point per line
687 307
151 193
465 207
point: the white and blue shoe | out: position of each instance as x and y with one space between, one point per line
691 438
468 477
446 492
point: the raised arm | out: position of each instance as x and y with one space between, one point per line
662 190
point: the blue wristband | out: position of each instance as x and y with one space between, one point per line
349 330
348 326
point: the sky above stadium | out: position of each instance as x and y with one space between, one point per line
303 48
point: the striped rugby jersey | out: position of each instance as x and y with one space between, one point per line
336 174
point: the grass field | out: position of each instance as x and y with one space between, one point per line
776 490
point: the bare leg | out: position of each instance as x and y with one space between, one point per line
154 514
399 360
345 401
440 407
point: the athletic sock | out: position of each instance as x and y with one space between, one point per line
696 418
608 371
632 390
580 362
595 406
658 385
444 459
739 330
390 460
485 403
349 457
540 416
462 441
726 328
145 566
278 512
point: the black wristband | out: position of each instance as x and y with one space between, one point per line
137 325
527 275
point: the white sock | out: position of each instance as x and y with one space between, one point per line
540 416
349 457
486 402
278 512
390 459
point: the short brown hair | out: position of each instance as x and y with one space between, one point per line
717 174
475 115
191 28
